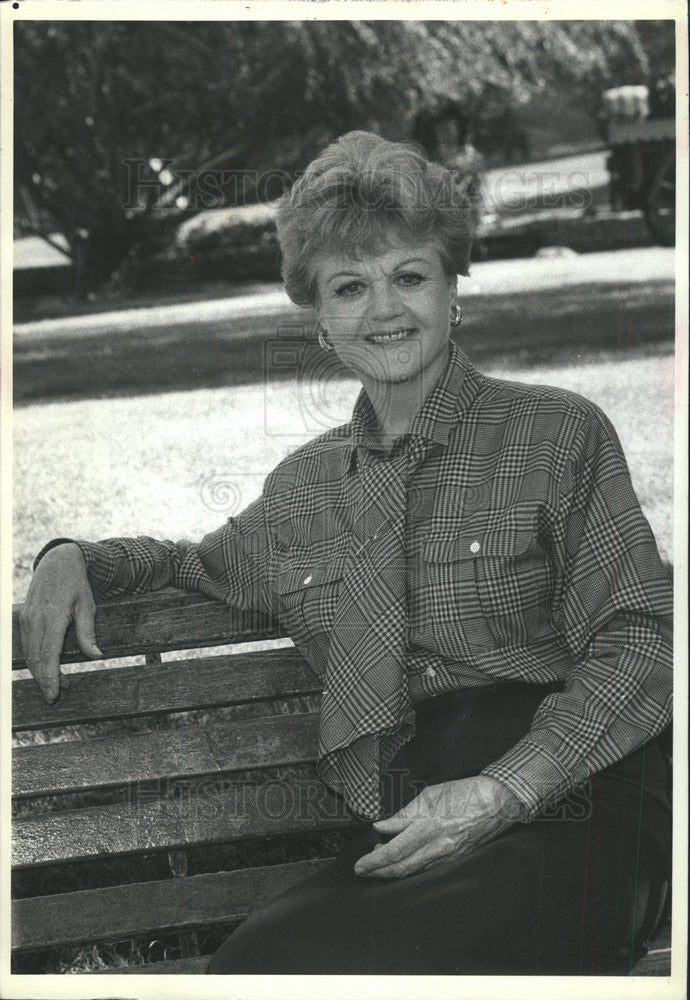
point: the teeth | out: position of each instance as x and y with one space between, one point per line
384 338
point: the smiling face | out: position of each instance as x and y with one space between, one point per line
388 314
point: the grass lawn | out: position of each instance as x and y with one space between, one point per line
503 325
177 464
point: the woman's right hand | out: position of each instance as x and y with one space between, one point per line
59 593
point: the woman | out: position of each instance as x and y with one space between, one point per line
466 567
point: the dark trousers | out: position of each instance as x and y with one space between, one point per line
575 892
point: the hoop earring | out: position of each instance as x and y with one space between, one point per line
326 345
455 316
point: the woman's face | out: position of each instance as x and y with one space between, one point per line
388 314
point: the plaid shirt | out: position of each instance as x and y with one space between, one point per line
528 559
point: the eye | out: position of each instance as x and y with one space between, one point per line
409 279
351 288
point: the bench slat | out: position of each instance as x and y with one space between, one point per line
658 964
195 966
216 814
164 620
118 912
175 686
185 752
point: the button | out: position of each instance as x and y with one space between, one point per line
474 548
430 672
307 580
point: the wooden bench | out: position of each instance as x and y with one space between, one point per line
175 797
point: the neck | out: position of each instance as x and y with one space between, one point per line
396 404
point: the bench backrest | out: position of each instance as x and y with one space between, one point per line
157 765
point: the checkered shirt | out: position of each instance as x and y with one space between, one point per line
526 558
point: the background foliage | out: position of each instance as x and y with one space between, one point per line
92 98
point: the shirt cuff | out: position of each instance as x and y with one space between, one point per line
535 776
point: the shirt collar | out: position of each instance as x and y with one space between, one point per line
454 391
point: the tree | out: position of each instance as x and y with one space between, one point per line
110 115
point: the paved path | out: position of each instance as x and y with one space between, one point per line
527 187
500 277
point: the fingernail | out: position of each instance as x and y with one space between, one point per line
98 651
52 695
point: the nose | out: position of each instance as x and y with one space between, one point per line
385 301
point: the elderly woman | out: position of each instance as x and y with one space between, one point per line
466 567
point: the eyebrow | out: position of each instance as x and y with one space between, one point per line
356 274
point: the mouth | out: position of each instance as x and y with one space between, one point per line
389 336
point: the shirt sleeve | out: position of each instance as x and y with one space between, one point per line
230 564
613 607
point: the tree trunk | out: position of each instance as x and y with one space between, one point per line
98 251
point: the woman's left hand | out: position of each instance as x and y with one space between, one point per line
443 822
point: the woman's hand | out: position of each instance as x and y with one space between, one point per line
443 822
59 593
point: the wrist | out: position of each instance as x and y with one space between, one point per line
53 544
67 552
506 803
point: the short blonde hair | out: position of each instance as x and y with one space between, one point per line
357 194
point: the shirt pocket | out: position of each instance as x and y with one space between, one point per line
486 590
307 592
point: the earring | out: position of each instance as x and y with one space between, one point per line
323 341
455 316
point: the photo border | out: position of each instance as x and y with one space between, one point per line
381 987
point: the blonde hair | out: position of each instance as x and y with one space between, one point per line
360 192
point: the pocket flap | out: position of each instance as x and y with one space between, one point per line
506 542
301 574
